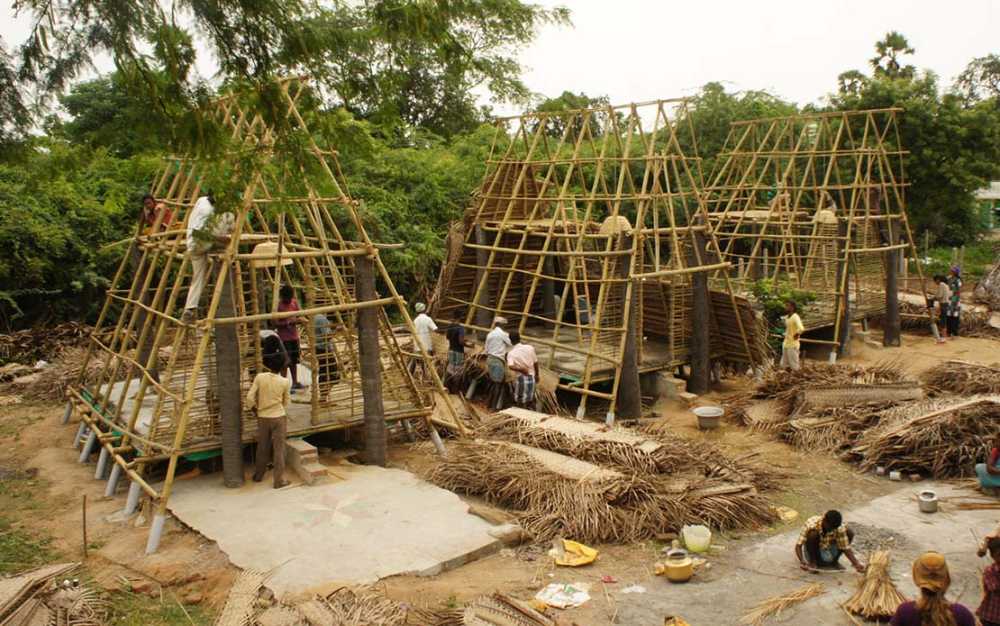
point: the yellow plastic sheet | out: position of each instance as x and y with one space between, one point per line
574 554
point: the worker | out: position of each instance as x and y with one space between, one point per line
930 575
288 330
326 356
989 609
942 300
496 346
822 540
202 236
151 209
456 352
522 360
268 398
955 303
793 331
424 326
988 473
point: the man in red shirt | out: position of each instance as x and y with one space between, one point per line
288 330
151 209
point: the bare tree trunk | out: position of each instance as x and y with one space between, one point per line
227 380
368 355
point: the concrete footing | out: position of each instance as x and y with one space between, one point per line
116 474
88 447
67 412
155 532
77 440
102 464
132 502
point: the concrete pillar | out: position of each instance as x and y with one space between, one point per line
67 413
629 399
155 532
228 391
78 439
698 380
483 317
549 310
843 308
116 474
891 329
88 447
132 501
368 355
102 463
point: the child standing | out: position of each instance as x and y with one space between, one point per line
989 608
269 397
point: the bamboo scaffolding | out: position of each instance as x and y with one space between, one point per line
146 351
581 218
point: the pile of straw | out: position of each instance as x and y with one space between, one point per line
876 597
556 495
784 386
832 429
772 607
54 379
368 607
963 378
944 438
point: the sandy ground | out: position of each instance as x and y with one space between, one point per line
195 569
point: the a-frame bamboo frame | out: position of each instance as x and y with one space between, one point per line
155 399
590 223
817 200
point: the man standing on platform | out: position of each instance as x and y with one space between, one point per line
496 346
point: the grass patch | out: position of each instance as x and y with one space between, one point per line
21 550
978 258
132 609
14 425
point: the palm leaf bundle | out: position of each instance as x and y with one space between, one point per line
877 597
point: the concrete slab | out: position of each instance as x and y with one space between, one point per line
375 523
745 576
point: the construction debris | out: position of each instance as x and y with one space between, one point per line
943 438
772 607
32 344
500 608
53 381
876 597
44 596
963 378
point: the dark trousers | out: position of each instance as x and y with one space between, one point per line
953 322
813 554
271 442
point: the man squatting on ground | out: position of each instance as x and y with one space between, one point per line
793 331
823 540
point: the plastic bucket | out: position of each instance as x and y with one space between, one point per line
708 416
696 538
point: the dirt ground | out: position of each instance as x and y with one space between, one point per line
195 572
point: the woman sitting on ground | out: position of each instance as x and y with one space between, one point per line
930 575
988 473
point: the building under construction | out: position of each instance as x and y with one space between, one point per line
166 382
817 203
589 234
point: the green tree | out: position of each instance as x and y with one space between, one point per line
886 62
980 80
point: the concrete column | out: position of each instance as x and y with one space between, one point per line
629 400
699 378
548 289
78 439
88 447
67 413
102 463
156 532
132 501
483 317
843 308
228 391
368 355
116 474
891 328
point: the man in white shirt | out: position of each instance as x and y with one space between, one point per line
496 346
424 326
200 239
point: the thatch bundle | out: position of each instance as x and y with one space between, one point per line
944 438
963 378
368 607
876 597
832 429
772 607
786 386
54 379
474 369
556 495
32 344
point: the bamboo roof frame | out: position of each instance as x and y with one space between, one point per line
550 215
310 249
816 200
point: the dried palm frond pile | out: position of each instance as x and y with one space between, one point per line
773 607
368 607
33 344
943 438
963 378
976 323
786 386
474 369
45 596
877 597
500 608
56 377
556 495
832 429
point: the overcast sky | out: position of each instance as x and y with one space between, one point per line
636 50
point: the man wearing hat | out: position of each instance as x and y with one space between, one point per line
496 346
424 326
931 576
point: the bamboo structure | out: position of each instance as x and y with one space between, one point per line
157 395
588 229
817 200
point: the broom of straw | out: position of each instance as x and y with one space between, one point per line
772 607
876 596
